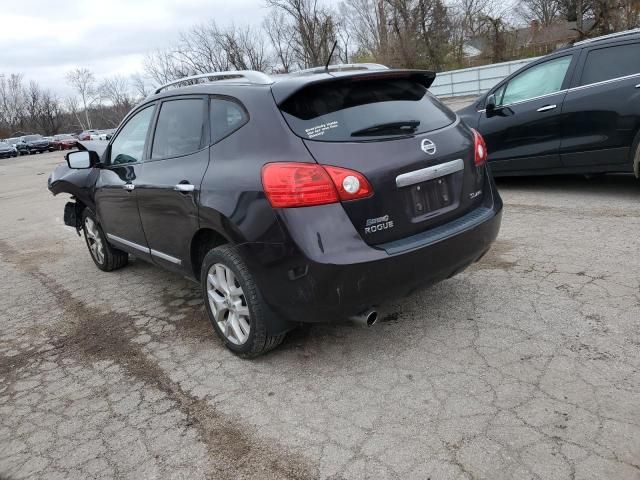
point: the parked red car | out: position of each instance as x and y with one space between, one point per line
63 142
86 134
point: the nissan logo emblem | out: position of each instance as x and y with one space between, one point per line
428 147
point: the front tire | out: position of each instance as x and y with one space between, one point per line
106 257
235 307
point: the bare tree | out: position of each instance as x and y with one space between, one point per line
83 80
313 28
163 66
496 30
199 50
546 12
280 34
139 84
71 103
115 91
50 114
368 24
245 47
12 103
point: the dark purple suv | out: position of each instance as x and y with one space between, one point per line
302 198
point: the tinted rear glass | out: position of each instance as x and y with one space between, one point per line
380 109
611 62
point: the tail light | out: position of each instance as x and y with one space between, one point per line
479 149
305 184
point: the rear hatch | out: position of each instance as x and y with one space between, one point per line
412 149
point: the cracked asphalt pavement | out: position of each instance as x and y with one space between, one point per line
525 366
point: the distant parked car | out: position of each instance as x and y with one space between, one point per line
63 141
106 134
573 111
7 150
50 140
86 134
102 134
13 142
32 144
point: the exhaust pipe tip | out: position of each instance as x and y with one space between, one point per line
368 318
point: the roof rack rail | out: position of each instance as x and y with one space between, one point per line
247 76
342 67
611 35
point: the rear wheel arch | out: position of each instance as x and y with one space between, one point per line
202 242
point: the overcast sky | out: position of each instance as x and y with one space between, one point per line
43 39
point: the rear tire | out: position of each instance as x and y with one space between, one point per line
234 304
105 256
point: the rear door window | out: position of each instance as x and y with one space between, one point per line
179 128
376 109
611 62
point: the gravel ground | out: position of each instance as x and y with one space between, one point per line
526 366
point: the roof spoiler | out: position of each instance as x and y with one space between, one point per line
287 88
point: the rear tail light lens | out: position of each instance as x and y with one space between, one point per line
350 184
306 184
479 149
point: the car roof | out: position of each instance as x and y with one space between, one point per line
633 34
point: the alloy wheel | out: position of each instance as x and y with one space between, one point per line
228 304
94 240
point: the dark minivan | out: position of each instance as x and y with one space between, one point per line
574 111
291 199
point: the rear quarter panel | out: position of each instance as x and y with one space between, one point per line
232 199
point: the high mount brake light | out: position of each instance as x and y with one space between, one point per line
290 184
479 149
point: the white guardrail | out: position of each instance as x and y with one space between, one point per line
474 80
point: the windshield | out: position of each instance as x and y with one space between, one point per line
63 137
31 138
376 109
13 140
4 144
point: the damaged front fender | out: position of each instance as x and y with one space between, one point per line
79 183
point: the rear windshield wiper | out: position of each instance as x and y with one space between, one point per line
405 127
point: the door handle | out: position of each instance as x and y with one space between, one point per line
546 108
184 187
129 186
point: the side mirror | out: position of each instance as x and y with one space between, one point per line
81 160
490 104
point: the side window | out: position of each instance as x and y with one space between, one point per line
128 146
226 117
540 80
611 62
179 128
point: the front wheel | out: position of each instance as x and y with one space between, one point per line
234 304
106 257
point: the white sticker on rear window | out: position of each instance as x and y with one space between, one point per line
319 130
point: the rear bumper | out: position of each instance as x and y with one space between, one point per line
308 280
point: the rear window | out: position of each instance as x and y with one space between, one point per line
347 111
611 62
